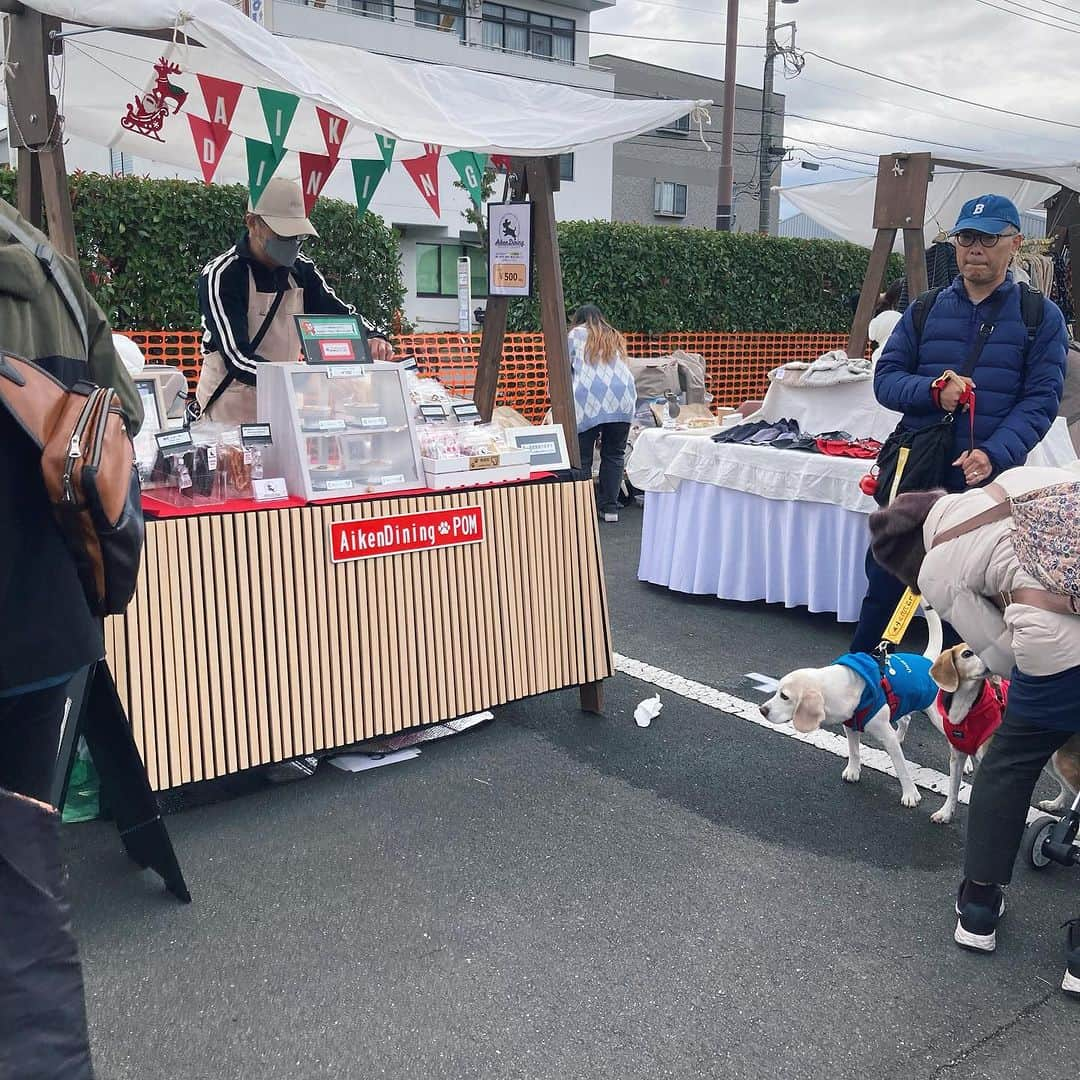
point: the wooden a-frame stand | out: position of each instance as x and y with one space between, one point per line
900 204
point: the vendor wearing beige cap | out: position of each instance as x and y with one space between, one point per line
248 296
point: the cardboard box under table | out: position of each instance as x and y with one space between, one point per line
261 635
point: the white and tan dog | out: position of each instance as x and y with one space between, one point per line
967 712
810 698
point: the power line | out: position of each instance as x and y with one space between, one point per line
926 112
1064 25
941 93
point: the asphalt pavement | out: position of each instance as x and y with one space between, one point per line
556 896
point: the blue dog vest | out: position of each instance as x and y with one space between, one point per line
904 684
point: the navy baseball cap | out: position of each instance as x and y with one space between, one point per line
991 214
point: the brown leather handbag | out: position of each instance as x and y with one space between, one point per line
88 464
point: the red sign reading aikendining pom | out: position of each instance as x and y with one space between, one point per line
368 538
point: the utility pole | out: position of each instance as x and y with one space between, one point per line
765 155
724 194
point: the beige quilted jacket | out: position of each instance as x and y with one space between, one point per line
958 577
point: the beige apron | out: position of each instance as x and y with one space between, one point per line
237 404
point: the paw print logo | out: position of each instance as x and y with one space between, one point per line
444 528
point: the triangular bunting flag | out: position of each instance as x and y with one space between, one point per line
502 162
386 148
210 140
262 162
333 129
279 108
425 175
366 177
470 168
221 97
315 170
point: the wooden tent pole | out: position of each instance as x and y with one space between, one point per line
34 128
539 172
899 203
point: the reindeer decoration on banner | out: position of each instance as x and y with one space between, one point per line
147 113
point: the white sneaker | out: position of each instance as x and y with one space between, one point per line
610 516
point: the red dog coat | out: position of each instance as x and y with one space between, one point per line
982 720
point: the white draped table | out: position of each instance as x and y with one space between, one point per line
752 523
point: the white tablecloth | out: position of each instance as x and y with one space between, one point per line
713 541
750 523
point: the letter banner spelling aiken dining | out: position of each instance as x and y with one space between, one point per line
367 538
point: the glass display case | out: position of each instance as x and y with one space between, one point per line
339 430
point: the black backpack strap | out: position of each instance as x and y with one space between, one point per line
920 310
1032 308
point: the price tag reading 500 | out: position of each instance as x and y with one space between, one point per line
510 275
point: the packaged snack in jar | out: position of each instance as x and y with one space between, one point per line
481 440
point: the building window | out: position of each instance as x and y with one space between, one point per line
120 164
448 15
678 126
436 269
566 166
528 32
380 9
670 199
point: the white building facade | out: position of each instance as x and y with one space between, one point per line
536 40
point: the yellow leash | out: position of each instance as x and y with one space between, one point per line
901 617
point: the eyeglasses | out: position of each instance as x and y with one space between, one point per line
968 238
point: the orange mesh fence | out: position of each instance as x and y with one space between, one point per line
177 347
735 364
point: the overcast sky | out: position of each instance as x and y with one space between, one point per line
963 47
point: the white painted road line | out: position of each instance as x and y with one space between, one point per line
878 760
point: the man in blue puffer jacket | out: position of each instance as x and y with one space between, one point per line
1018 384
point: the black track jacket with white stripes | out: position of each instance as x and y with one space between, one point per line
223 302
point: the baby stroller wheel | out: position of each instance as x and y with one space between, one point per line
1034 838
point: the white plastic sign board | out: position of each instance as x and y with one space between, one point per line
510 249
464 292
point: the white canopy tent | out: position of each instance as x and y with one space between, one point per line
846 207
412 102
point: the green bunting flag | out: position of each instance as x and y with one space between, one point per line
366 177
262 161
386 147
279 108
470 168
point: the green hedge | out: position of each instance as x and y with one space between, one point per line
143 242
656 279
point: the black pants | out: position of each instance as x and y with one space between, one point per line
29 740
43 1032
612 458
883 592
1001 796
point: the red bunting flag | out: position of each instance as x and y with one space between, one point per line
425 174
315 170
210 140
502 162
333 128
221 97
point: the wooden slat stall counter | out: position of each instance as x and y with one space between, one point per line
247 644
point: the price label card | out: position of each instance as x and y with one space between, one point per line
467 412
175 441
432 412
339 485
347 371
397 478
256 435
373 421
483 461
331 425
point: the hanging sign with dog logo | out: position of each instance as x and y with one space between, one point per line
510 249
